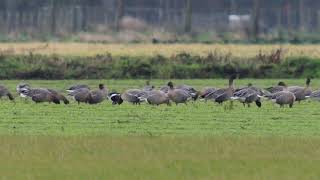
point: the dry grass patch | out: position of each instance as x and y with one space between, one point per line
84 49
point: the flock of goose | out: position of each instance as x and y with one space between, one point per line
280 94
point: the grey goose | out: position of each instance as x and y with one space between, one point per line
224 94
5 92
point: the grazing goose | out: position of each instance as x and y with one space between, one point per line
148 87
5 92
192 92
206 91
280 87
247 96
23 88
39 95
178 95
135 96
80 95
222 95
115 98
315 95
59 96
156 97
284 97
97 96
301 93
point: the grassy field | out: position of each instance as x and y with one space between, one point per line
197 141
83 49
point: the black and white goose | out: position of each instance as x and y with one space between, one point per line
115 98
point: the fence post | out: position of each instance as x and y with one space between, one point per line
53 16
256 19
188 17
120 13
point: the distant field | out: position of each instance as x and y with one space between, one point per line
197 141
83 49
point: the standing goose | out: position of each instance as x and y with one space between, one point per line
225 94
178 95
301 93
5 92
97 96
157 97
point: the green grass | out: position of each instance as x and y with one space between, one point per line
197 141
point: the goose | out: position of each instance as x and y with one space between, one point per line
282 98
97 96
40 95
80 95
157 97
21 87
178 95
5 92
280 87
115 98
59 96
193 93
134 96
206 91
190 90
225 94
301 93
248 95
79 92
315 95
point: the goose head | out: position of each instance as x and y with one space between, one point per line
170 84
101 86
281 83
